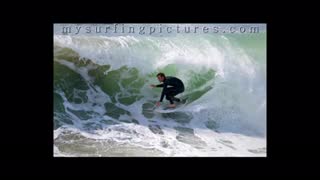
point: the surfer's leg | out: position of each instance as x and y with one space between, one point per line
169 98
169 94
173 93
176 99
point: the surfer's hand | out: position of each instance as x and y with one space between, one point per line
158 103
152 85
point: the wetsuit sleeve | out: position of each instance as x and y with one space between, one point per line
159 85
163 91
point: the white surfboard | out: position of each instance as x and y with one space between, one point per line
165 109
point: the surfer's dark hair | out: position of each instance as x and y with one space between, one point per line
161 74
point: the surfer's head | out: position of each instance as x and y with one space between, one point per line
161 77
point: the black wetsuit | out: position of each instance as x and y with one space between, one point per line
170 92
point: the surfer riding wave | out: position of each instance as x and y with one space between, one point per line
176 87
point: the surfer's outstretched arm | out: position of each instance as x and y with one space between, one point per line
159 85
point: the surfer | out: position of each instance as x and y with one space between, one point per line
176 87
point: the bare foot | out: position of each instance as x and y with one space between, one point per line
171 105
